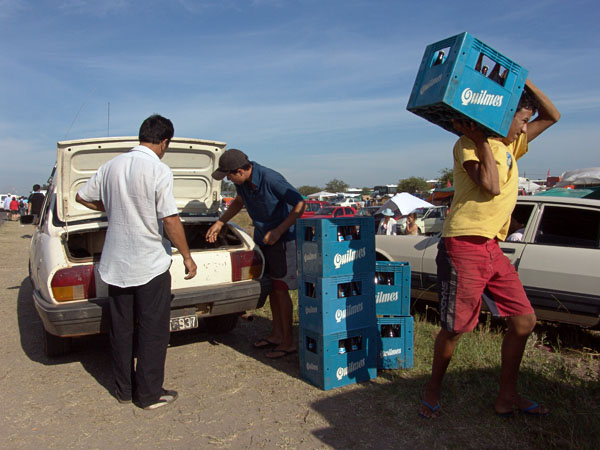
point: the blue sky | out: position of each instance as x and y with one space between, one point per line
315 89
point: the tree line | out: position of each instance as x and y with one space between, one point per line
410 185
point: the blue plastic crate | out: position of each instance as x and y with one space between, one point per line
336 304
392 288
455 89
395 352
334 247
334 360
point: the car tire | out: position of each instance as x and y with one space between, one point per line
55 346
221 324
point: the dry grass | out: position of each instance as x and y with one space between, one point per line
569 387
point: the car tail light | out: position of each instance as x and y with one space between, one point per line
74 283
246 265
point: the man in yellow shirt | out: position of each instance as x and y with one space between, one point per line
469 259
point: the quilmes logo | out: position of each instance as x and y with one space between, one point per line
386 297
352 367
480 98
311 310
349 256
311 366
341 314
391 352
310 257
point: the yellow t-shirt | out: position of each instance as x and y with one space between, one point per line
474 212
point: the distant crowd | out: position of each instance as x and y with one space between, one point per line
19 206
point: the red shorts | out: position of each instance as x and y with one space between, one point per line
469 267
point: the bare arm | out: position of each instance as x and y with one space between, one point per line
234 207
547 116
484 172
95 205
273 235
174 229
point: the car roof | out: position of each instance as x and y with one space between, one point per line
558 200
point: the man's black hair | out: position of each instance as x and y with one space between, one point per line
156 129
528 101
36 187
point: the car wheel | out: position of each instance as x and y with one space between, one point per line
221 324
55 345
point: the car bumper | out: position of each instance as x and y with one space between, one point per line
92 317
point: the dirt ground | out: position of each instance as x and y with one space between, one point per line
231 396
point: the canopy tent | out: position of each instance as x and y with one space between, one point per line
577 177
591 192
321 195
405 203
438 195
529 186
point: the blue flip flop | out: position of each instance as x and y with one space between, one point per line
433 409
529 410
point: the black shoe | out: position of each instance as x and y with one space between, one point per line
122 399
166 398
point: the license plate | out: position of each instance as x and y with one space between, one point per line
184 323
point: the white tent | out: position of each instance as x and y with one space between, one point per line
405 203
321 195
588 176
529 186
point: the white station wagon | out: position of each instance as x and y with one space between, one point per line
68 293
557 259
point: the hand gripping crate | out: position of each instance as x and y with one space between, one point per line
392 288
452 85
334 247
334 360
336 304
395 342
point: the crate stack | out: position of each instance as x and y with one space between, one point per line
463 78
336 308
394 322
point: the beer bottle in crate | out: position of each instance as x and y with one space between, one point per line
440 58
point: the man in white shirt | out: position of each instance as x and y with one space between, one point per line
136 191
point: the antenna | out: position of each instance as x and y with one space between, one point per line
108 122
77 115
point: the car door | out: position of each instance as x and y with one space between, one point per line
559 268
526 213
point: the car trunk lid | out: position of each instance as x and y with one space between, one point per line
192 162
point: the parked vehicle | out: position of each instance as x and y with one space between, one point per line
557 259
69 295
429 220
347 202
328 212
312 206
367 211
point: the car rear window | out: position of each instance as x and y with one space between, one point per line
324 211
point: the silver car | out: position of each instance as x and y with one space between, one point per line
557 259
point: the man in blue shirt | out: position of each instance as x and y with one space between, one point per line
274 205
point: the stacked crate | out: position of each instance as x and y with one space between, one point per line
394 323
336 308
462 78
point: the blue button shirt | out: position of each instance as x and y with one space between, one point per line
269 202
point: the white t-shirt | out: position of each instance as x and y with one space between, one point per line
136 189
387 229
517 236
